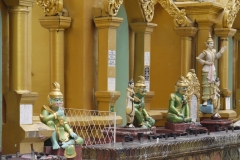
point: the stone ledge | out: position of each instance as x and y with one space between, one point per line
155 114
225 114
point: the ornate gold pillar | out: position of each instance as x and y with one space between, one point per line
56 26
142 54
106 94
186 34
224 34
19 99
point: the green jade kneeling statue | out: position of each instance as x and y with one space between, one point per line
141 118
178 109
54 117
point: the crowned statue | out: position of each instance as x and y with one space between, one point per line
54 117
178 109
141 118
130 110
209 84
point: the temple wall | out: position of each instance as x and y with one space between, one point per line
5 53
79 60
5 47
165 58
40 59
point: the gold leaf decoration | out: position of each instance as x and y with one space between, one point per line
51 7
193 84
230 13
113 6
180 18
148 9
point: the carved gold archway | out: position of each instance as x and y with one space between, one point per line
230 13
180 18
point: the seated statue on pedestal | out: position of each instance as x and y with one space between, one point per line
141 118
54 117
178 110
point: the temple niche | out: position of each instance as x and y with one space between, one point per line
93 48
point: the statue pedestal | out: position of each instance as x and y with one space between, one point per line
134 132
178 127
216 125
181 128
60 152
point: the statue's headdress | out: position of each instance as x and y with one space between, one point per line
141 82
209 38
131 81
182 82
55 93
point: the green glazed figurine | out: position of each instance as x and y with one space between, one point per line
54 117
141 118
178 109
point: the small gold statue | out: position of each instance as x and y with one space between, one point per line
216 99
54 117
178 109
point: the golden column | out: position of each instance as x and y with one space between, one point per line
18 42
19 99
56 26
224 34
142 55
186 34
106 94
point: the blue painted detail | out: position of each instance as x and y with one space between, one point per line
207 109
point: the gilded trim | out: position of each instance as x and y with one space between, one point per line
180 18
112 7
230 13
148 9
51 7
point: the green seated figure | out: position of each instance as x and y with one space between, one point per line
178 110
54 117
141 118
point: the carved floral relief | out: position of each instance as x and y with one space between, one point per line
51 7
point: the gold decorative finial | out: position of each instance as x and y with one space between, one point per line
51 7
55 93
181 82
209 38
141 82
